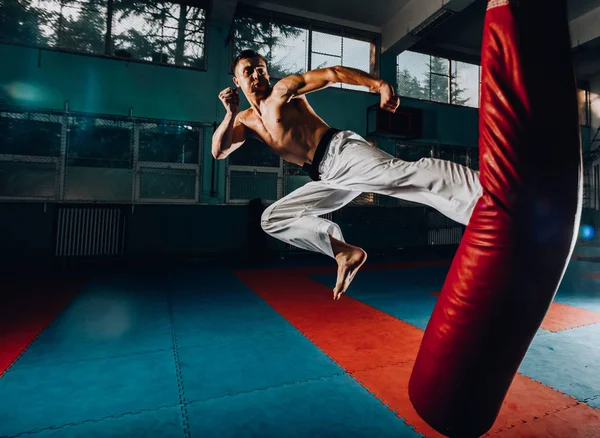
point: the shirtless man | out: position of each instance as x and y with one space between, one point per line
341 164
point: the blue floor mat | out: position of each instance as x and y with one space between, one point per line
160 423
255 363
104 322
54 395
567 361
333 407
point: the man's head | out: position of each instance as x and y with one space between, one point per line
250 72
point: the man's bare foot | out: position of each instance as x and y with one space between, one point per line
349 259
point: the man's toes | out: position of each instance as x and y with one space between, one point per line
336 291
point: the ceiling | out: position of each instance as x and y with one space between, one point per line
457 35
372 14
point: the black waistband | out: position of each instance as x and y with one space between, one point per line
313 168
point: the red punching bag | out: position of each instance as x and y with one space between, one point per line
519 239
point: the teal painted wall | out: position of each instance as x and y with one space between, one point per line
47 79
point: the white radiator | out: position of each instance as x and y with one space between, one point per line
89 232
445 236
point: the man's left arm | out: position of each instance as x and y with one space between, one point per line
314 80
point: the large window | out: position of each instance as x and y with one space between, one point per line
436 79
583 99
158 31
56 156
292 45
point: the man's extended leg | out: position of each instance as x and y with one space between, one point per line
295 220
448 187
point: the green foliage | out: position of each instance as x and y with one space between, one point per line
19 22
263 36
152 31
434 83
171 33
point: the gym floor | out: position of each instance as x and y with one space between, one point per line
242 352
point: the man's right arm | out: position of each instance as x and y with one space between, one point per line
229 136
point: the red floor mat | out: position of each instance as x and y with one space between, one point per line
564 317
378 351
27 308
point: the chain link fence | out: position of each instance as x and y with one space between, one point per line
74 157
30 151
254 171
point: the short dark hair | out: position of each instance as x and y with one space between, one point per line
247 54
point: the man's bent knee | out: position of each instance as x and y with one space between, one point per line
266 220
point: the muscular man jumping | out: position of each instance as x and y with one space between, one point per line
341 164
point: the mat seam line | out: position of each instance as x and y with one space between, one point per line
179 376
95 420
158 350
349 373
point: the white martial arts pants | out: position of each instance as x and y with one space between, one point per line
352 166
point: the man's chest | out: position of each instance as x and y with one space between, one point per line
273 120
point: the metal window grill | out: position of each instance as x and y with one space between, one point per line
254 171
76 157
30 151
98 159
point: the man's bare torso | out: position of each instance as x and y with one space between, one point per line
292 129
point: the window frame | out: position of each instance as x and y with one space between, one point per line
62 166
449 76
108 40
310 25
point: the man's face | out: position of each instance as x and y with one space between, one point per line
251 76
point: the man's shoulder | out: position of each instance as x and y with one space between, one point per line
244 115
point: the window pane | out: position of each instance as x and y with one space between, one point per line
439 66
583 100
326 44
356 54
77 25
285 47
251 30
30 134
28 179
460 156
409 152
167 183
439 88
161 32
98 160
473 158
21 23
98 184
96 142
168 143
465 84
322 61
413 75
289 53
249 185
254 153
